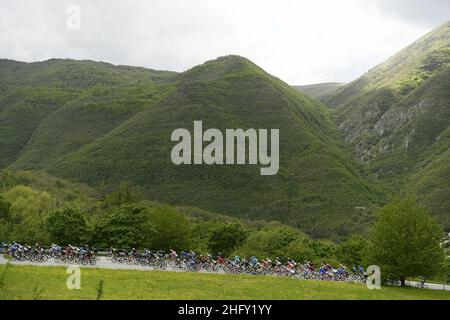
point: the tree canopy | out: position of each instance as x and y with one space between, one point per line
66 226
405 241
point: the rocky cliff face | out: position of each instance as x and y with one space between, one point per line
397 116
384 110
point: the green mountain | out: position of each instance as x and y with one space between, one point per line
397 118
113 123
319 90
32 92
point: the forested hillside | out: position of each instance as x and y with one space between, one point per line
113 123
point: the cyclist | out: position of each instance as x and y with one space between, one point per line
323 269
341 270
134 253
361 269
267 263
277 262
193 256
185 254
220 259
291 266
173 254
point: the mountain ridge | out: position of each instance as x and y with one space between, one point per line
319 90
318 186
397 116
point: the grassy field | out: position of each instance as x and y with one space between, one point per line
26 282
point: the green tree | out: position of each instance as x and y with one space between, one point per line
27 201
124 227
405 241
226 237
445 271
125 194
173 229
270 242
66 226
300 250
352 251
4 208
22 209
323 249
201 232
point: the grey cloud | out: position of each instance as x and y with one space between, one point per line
429 13
300 42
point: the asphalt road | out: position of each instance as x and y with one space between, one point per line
107 264
432 286
102 263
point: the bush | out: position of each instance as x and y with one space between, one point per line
173 229
66 226
352 251
124 227
226 237
270 243
300 250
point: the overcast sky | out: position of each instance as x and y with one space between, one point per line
301 42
